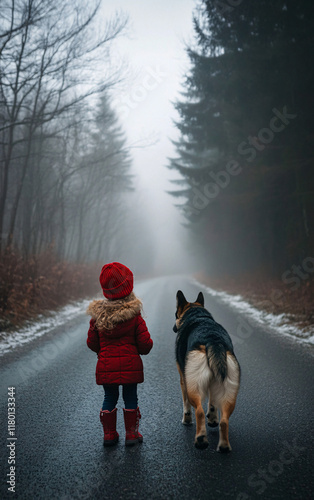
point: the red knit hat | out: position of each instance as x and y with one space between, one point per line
116 281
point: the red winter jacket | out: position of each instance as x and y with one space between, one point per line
118 334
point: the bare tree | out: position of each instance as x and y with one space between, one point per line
49 56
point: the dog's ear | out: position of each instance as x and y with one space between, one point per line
181 300
200 299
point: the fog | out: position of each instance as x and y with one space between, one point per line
155 52
174 137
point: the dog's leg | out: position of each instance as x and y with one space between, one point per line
212 415
201 440
227 405
197 377
226 410
187 417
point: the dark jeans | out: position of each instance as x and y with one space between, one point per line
129 393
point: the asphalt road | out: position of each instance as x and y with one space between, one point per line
59 452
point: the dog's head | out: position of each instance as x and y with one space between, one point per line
183 305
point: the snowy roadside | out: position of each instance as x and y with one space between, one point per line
43 324
281 323
40 326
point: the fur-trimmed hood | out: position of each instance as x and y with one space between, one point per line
108 313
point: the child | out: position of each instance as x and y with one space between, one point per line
118 334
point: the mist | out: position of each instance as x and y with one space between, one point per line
157 62
155 136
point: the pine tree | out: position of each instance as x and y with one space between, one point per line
247 62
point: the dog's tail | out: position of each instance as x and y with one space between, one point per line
217 361
215 370
225 369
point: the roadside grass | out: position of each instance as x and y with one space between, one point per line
269 294
40 284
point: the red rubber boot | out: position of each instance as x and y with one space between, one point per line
109 421
131 422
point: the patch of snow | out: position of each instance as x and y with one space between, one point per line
280 322
44 324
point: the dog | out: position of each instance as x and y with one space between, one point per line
208 368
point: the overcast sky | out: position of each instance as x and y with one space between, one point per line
154 49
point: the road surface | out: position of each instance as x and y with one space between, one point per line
59 452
